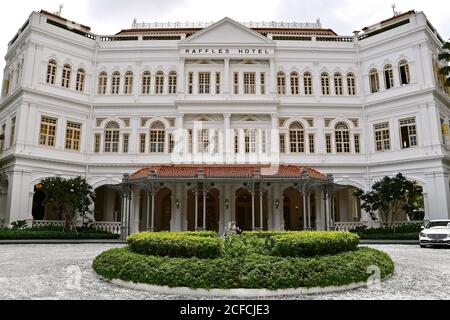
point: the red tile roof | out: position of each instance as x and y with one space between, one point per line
225 171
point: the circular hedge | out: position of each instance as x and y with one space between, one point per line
270 260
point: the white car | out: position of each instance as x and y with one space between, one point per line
436 232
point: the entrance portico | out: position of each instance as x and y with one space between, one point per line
209 197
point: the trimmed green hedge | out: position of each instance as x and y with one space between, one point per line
406 232
32 234
251 271
176 244
313 243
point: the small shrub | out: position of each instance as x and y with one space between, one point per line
174 244
19 225
30 234
313 243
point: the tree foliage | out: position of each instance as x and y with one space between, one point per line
68 197
391 197
445 56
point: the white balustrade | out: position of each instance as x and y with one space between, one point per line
112 227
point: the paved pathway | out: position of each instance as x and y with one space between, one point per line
51 271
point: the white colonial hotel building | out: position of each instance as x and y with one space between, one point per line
175 125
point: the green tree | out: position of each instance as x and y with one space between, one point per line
69 197
445 56
391 197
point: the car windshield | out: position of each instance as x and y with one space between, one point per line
433 224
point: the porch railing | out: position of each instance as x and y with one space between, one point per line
112 227
347 226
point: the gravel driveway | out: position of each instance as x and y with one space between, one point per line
62 271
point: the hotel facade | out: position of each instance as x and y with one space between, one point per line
186 126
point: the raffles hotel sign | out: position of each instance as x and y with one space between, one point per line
226 51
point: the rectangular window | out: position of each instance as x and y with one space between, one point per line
282 143
157 140
203 141
236 83
408 133
250 140
382 136
2 133
312 148
126 138
190 83
190 141
264 141
73 133
12 131
328 142
249 83
47 131
263 82
217 82
171 142
142 142
204 83
236 141
97 143
307 83
216 141
357 143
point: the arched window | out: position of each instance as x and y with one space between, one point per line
297 137
295 89
115 82
338 88
81 75
66 75
172 82
325 80
342 135
281 83
388 77
351 84
128 89
112 137
157 137
374 80
102 80
159 82
51 72
403 68
146 76
307 82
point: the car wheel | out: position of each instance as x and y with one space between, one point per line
423 245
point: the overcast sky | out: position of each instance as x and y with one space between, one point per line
110 16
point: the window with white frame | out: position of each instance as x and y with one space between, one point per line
408 133
125 142
307 83
115 82
236 83
217 82
236 141
190 140
403 68
97 138
282 143
388 77
250 140
374 81
128 88
351 84
102 81
312 147
112 133
159 82
249 83
73 133
2 133
328 143
325 82
81 76
357 142
172 82
146 82
262 83
47 135
342 137
281 83
66 75
295 88
203 141
157 137
338 87
204 83
190 83
297 137
142 142
51 72
12 131
382 136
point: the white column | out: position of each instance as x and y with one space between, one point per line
19 185
275 140
272 78
226 78
196 210
228 140
135 211
261 211
181 78
309 211
152 216
204 210
304 212
253 209
438 195
148 211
